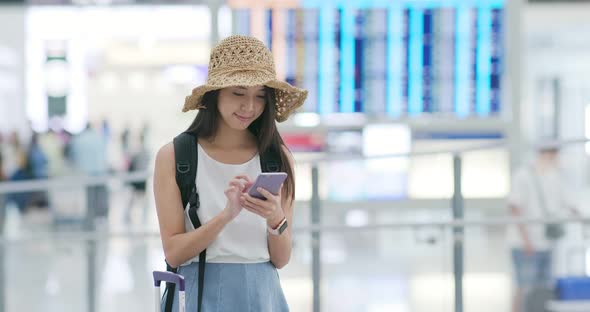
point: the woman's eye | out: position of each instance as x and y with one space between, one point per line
261 96
238 94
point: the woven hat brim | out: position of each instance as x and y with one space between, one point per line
288 97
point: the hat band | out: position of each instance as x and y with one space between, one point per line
225 71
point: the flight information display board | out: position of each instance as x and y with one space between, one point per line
401 59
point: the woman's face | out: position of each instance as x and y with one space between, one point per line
240 106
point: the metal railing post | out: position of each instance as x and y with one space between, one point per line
91 206
315 239
458 234
2 253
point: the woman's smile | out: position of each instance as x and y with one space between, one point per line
243 118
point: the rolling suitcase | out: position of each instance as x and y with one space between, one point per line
572 290
576 284
170 277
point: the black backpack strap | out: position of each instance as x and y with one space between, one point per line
187 160
185 153
194 204
170 288
270 161
202 260
185 150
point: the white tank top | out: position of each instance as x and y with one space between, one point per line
244 239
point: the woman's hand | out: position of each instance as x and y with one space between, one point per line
269 209
236 188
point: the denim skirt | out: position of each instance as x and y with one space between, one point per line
252 287
532 270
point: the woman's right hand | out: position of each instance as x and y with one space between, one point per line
236 187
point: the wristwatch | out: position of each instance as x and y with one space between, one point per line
280 228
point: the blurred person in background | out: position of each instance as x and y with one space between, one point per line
2 143
106 129
25 164
538 191
37 158
22 173
89 156
52 143
126 147
67 139
139 162
12 151
62 200
38 163
88 152
2 196
2 174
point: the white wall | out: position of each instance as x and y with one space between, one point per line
158 36
139 96
557 37
557 45
12 95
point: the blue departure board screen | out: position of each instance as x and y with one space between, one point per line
404 58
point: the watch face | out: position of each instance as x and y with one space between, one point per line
283 227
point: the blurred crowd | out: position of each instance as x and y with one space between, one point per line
95 151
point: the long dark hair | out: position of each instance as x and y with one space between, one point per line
263 128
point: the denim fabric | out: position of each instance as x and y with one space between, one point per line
233 287
533 270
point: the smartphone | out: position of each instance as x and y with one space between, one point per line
270 181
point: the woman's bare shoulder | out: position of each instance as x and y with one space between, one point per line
165 156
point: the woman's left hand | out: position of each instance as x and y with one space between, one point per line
270 209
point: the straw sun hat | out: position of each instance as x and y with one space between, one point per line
246 61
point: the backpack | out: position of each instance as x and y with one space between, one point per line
186 157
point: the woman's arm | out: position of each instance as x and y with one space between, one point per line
274 209
279 246
179 245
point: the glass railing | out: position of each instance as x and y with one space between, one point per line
414 255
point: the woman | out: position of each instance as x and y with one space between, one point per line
235 125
